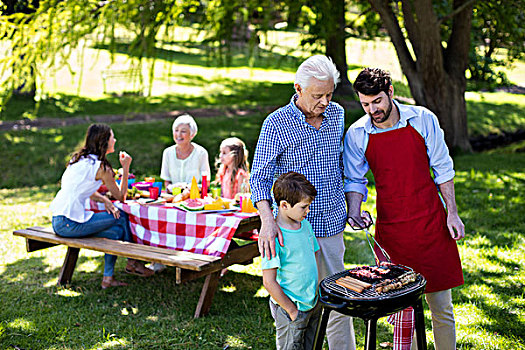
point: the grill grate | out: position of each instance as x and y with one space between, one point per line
368 294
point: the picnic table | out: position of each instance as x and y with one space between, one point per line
197 244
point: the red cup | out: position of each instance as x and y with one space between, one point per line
153 192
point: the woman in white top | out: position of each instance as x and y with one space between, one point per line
87 170
184 160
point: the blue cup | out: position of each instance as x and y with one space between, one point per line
159 185
130 182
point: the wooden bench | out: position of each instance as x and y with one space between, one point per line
188 265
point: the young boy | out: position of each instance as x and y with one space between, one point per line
291 276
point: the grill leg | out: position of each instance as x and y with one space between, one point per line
370 339
421 337
321 329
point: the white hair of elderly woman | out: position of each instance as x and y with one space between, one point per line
318 67
186 119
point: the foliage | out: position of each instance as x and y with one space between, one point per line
237 23
433 59
44 40
496 40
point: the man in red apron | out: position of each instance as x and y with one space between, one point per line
400 144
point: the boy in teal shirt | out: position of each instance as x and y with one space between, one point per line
291 276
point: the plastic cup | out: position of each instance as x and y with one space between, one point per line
158 185
153 192
215 192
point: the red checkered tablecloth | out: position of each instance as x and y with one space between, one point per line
168 227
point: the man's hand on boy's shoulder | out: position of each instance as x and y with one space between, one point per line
269 230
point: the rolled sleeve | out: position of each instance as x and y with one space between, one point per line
355 164
437 150
264 163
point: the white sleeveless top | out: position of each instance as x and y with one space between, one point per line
77 185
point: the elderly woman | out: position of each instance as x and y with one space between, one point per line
184 160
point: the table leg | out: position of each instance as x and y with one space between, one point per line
70 262
208 291
370 338
321 329
421 337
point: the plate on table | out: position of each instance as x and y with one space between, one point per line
178 205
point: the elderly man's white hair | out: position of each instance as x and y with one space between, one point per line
186 119
318 67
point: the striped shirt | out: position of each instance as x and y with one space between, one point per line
288 143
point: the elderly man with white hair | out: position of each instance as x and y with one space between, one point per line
185 159
306 136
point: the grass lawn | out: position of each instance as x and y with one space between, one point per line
158 314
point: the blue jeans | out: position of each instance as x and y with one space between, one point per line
100 225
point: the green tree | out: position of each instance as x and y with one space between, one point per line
44 38
436 61
497 39
10 8
327 25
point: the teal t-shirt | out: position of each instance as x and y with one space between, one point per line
296 266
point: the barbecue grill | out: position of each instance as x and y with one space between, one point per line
369 305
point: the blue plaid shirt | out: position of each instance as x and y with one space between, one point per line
288 143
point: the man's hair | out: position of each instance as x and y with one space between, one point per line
371 81
319 67
293 188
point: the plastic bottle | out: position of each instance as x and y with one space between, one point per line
204 185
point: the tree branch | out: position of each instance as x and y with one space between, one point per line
456 11
396 35
456 53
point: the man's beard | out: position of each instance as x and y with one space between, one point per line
386 114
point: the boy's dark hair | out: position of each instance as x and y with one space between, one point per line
371 81
293 188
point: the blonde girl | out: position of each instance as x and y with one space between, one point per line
233 170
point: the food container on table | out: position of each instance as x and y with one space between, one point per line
130 182
154 192
158 185
142 186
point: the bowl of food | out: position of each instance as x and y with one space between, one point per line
142 186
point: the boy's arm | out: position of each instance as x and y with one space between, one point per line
275 290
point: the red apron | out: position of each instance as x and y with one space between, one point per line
411 220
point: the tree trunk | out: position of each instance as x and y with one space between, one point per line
436 76
336 44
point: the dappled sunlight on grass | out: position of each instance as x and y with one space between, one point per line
262 293
234 342
494 112
67 293
22 325
228 289
113 343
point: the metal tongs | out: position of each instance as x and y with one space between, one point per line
368 221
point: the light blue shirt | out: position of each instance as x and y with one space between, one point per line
422 120
296 266
288 143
